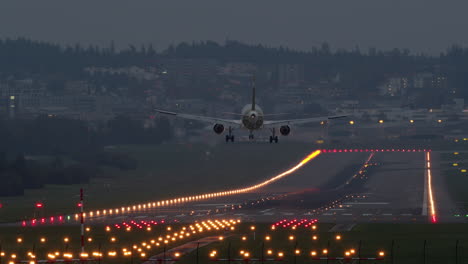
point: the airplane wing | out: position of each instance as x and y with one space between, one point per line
228 122
274 123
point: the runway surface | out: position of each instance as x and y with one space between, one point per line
334 187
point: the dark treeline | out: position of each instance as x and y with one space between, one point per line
71 140
360 70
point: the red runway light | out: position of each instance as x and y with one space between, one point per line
39 205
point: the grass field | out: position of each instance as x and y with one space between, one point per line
108 240
456 177
408 244
402 243
163 171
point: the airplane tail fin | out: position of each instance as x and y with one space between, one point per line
253 92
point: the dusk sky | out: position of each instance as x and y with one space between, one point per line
421 25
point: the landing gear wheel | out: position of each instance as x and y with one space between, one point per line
229 138
271 139
276 139
251 136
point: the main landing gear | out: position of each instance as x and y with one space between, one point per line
273 137
230 136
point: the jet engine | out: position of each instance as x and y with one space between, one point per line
218 128
285 130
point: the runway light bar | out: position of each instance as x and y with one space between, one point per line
429 186
374 150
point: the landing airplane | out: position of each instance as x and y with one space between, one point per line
252 119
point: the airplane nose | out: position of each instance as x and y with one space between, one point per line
252 116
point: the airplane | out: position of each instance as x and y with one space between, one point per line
252 119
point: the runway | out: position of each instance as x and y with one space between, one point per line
332 187
389 187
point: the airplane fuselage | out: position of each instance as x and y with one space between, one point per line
252 119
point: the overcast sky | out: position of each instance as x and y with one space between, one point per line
421 25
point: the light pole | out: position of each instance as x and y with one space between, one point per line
82 220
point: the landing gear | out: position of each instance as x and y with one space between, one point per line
273 137
230 136
251 136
